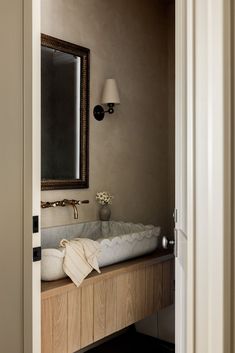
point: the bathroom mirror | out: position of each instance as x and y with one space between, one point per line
64 114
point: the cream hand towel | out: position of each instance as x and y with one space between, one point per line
80 258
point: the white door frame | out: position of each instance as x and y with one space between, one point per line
32 173
208 102
208 99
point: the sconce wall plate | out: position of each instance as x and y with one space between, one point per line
98 112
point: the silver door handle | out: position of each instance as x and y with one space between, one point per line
166 242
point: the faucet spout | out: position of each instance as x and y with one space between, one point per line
75 212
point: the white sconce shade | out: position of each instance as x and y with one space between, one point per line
110 97
110 92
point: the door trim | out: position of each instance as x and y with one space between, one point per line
181 174
191 214
32 175
208 103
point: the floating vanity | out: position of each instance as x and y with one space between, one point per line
124 293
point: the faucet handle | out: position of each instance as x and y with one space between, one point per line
85 201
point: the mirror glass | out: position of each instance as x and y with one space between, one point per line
64 114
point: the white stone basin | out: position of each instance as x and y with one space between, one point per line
119 241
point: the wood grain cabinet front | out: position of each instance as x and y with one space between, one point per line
73 318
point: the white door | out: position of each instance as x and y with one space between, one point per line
202 218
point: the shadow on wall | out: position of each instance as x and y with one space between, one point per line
161 325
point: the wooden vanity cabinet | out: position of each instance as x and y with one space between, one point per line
121 295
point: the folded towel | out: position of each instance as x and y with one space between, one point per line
80 258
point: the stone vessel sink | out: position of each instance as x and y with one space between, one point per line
119 241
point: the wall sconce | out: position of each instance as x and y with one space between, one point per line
110 96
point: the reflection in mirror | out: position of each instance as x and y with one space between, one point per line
60 112
64 121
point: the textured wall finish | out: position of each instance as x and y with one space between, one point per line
11 187
166 319
171 107
129 151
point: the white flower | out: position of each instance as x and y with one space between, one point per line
104 198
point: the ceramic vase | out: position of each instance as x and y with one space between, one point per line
104 213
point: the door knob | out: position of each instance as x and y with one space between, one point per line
166 242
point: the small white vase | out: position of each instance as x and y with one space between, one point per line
104 213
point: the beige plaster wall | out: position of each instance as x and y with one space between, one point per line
171 107
165 318
130 152
11 186
233 178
